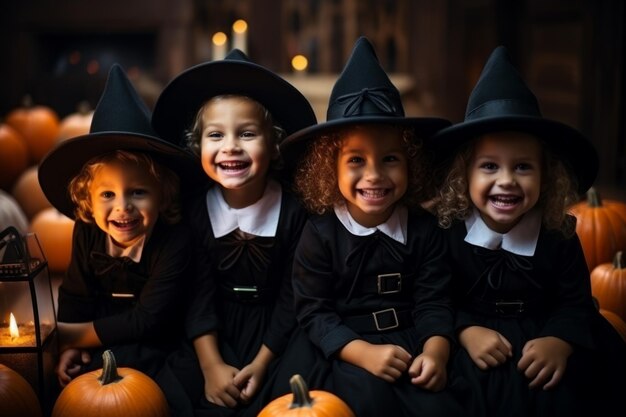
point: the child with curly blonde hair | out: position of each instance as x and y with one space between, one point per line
532 341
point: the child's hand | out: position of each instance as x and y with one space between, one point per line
428 370
544 361
384 361
70 363
249 380
486 347
219 385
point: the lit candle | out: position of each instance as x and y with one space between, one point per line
219 45
240 35
299 63
17 335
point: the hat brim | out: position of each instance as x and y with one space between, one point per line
180 100
294 146
564 141
67 158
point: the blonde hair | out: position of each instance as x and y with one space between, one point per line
168 181
316 180
193 137
558 191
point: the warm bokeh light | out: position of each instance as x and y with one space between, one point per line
299 62
93 67
240 26
219 38
74 57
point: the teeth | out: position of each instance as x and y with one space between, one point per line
374 193
233 165
505 199
124 222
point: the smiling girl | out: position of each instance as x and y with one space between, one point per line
130 253
370 272
233 114
533 343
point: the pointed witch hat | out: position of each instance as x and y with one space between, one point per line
180 100
501 101
121 121
362 94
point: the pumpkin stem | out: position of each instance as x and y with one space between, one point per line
301 397
109 369
617 260
593 199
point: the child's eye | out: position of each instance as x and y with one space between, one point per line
139 192
524 167
107 194
391 158
489 166
355 160
248 134
214 135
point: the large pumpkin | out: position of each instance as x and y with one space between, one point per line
28 193
17 397
302 403
601 227
14 156
38 125
111 392
54 233
608 285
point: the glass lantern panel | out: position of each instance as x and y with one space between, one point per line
43 293
16 300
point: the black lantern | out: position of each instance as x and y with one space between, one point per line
28 328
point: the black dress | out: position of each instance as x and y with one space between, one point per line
524 298
135 307
242 290
374 288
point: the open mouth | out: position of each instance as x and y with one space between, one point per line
505 200
233 166
125 224
373 193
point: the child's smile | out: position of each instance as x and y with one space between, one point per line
505 178
372 173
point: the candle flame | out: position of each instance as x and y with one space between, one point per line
13 330
240 26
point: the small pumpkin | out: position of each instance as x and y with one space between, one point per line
76 124
14 156
38 125
601 228
111 392
54 232
17 397
616 321
608 285
302 403
28 193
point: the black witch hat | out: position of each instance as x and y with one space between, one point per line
501 101
121 121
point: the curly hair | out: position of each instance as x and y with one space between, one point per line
193 137
558 191
316 180
168 181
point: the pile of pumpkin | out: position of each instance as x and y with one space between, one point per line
601 228
27 133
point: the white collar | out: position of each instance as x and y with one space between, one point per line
395 227
259 219
133 252
521 239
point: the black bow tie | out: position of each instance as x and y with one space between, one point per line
103 263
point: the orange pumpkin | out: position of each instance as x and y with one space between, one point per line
601 227
28 193
76 124
302 403
616 322
38 125
54 233
17 397
14 156
608 285
111 392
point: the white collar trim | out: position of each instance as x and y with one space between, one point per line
395 227
133 252
521 239
258 219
